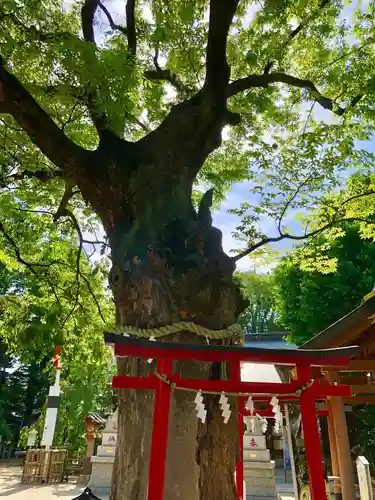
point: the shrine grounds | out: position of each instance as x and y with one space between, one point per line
11 487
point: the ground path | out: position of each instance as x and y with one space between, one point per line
12 488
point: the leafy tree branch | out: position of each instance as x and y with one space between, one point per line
254 81
40 127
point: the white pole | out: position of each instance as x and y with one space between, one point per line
51 413
291 451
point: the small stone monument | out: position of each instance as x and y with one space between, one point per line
364 479
259 470
102 462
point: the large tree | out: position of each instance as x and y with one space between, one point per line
121 115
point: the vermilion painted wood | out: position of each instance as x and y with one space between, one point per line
303 360
159 442
323 413
154 350
314 457
262 413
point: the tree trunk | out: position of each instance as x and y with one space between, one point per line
194 278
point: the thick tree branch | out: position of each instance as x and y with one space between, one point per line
129 31
88 11
38 125
256 81
87 17
287 236
62 210
112 24
130 26
217 68
167 76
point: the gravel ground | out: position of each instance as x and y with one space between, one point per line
11 486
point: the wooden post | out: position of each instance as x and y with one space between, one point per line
239 465
342 443
312 439
364 479
159 441
333 450
291 451
236 376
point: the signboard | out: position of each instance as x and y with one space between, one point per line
109 439
364 479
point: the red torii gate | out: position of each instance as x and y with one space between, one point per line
304 389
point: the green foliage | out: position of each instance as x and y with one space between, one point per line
287 147
260 315
308 300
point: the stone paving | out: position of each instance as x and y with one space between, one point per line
11 487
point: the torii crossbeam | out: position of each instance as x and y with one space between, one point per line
303 389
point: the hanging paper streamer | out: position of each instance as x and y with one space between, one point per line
200 408
250 405
274 402
152 339
225 408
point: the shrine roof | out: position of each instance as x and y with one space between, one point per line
347 329
136 347
268 340
96 418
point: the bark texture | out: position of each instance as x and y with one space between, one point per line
173 267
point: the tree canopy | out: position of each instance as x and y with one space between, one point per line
309 300
84 72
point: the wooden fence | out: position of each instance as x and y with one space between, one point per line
44 466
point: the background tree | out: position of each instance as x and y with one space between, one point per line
32 322
309 300
22 398
317 285
121 117
260 314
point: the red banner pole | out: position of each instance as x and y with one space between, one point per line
312 439
159 442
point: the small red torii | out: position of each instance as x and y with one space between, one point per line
304 389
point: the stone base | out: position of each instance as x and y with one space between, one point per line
254 455
106 451
260 480
101 474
